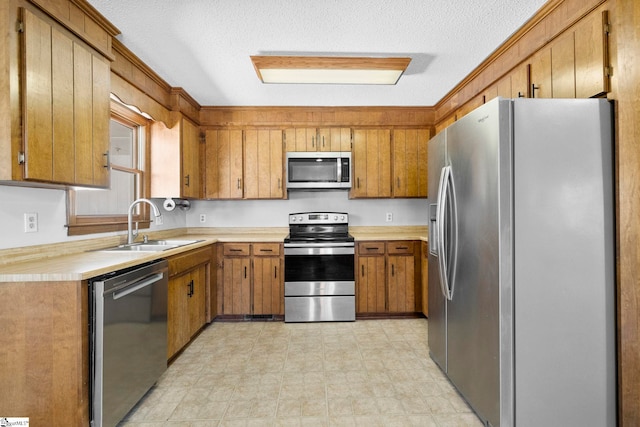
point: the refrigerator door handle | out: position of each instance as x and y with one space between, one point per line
447 232
452 224
441 227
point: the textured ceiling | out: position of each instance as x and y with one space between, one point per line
204 46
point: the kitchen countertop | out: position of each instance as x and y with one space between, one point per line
83 260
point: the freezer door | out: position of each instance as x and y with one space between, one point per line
437 302
564 263
473 313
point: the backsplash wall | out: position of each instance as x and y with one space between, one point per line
274 213
51 207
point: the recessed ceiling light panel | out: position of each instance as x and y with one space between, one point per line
329 70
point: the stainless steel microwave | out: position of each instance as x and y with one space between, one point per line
318 170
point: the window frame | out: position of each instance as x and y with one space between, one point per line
90 224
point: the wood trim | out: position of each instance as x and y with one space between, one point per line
128 66
282 117
548 23
82 19
625 58
138 74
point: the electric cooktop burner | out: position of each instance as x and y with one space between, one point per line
319 227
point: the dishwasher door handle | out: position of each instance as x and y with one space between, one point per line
149 280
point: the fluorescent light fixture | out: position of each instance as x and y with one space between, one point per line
329 69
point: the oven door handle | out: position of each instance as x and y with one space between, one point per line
320 251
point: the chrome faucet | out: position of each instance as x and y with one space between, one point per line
131 235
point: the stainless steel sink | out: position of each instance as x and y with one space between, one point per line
151 246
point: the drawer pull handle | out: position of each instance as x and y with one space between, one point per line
373 248
266 250
403 247
235 250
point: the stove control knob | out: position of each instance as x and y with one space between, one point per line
335 217
299 218
293 219
341 217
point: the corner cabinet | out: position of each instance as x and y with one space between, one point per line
175 159
189 286
65 108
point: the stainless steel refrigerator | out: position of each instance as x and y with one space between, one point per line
521 261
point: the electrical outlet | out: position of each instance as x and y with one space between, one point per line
389 217
159 220
30 222
203 218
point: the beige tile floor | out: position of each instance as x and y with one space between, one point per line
364 373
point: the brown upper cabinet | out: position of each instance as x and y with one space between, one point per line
175 160
592 64
575 64
387 168
318 139
244 164
65 108
263 172
410 162
223 164
371 163
540 74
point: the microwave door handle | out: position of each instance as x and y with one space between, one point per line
339 166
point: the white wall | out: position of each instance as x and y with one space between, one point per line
274 213
50 205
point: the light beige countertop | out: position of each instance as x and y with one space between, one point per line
83 259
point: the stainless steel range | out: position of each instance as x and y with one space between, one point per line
319 283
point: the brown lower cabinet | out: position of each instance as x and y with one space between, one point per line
388 277
250 280
189 276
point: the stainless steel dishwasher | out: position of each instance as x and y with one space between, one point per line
128 338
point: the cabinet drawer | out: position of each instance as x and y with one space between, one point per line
181 263
266 249
400 247
371 248
237 249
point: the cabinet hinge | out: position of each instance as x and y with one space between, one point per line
21 157
607 28
20 27
608 71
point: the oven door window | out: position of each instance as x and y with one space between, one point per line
318 268
313 170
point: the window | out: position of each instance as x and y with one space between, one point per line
95 211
